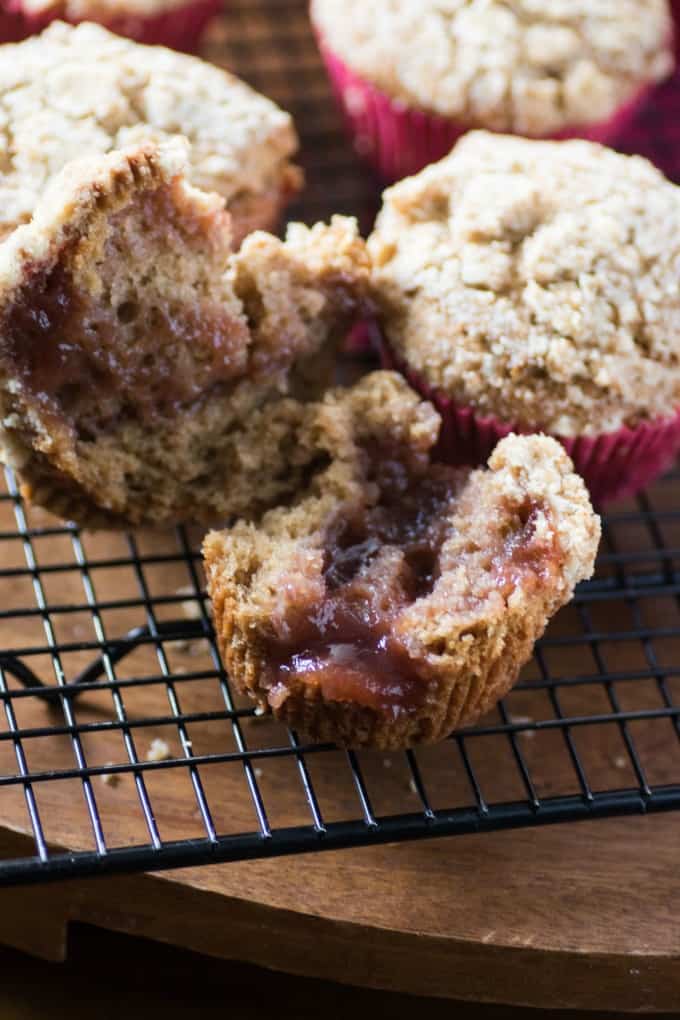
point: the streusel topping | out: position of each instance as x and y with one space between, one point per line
74 91
394 598
537 282
140 356
530 66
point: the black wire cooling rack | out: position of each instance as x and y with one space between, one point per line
123 746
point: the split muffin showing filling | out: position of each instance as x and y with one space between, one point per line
134 344
394 599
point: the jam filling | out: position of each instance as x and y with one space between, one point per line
375 565
93 363
523 560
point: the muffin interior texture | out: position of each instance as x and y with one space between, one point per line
136 344
517 65
535 282
393 598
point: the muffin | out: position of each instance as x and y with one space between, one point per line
81 91
175 23
532 286
135 345
12 25
412 76
395 599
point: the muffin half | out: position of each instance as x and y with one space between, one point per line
134 344
394 599
531 286
412 76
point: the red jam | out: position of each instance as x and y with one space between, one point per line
375 566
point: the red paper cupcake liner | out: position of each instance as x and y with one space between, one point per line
180 28
12 24
399 141
613 465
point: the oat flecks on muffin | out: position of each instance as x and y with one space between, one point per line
395 599
71 92
134 345
536 282
530 66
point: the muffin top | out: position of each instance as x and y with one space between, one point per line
536 282
529 66
71 91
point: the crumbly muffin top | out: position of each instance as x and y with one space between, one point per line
530 66
537 282
81 90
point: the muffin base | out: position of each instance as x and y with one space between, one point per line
614 465
179 29
398 140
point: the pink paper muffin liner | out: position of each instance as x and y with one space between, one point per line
180 28
12 25
399 141
613 465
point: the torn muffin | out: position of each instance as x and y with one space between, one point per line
395 599
134 344
82 91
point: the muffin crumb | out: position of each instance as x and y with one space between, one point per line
159 750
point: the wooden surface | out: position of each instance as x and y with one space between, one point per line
577 916
581 916
111 976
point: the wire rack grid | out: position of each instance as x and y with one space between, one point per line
123 745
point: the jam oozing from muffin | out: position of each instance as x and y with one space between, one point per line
524 558
376 565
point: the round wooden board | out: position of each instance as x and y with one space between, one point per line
580 916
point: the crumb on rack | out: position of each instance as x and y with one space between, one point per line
111 779
523 720
191 604
185 646
412 786
258 773
619 762
159 750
